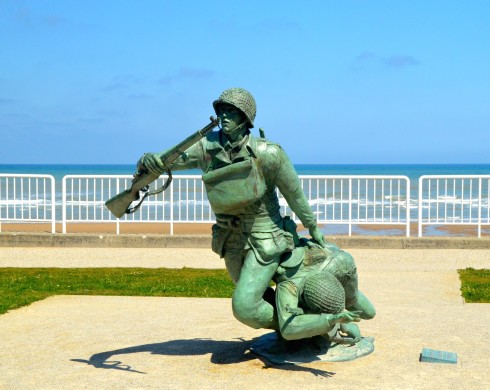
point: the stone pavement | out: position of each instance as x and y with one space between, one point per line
84 342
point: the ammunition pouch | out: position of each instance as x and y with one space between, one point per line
234 186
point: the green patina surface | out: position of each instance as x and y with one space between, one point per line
434 356
242 174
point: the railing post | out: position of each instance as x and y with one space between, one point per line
117 219
479 206
408 210
421 182
63 206
53 205
172 208
350 207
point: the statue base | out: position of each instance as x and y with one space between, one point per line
316 349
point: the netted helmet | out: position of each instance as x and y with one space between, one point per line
239 98
323 293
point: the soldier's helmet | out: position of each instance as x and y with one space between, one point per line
323 293
241 99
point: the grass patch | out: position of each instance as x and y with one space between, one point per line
22 286
475 285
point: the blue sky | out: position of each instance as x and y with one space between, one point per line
336 82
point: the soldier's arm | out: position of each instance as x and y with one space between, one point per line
191 159
293 323
288 182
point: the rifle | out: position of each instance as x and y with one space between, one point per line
120 204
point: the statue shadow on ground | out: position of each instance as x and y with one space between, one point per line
222 352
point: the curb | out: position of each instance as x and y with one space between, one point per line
87 240
8 239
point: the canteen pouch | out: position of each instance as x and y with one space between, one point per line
234 186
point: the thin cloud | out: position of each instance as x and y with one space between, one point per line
366 56
23 15
26 17
189 74
6 101
121 82
400 61
53 20
367 60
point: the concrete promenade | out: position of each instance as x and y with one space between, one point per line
83 342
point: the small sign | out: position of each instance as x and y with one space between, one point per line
435 356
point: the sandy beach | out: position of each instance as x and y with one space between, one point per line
205 228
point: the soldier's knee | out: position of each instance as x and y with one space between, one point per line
367 310
368 314
364 305
246 313
290 335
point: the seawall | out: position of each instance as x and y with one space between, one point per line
88 240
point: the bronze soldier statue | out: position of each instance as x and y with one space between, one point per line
241 174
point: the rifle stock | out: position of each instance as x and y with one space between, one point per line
120 204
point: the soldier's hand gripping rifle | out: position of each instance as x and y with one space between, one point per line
121 203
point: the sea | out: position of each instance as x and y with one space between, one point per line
412 171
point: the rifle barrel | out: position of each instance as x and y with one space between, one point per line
176 151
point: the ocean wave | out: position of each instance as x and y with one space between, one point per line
314 203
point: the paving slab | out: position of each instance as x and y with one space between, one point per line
87 342
82 342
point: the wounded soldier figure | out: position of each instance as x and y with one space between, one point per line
317 288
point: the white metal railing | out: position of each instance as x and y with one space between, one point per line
357 200
184 201
454 200
28 198
348 200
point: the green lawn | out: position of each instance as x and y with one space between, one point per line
475 285
22 286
